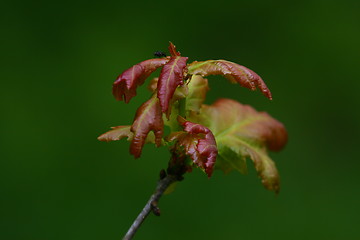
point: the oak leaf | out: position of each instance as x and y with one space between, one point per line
120 132
198 143
234 72
124 88
148 118
198 87
241 132
180 93
171 76
173 51
117 133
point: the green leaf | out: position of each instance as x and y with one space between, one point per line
241 132
170 118
229 160
198 87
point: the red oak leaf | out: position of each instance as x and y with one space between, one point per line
125 85
171 76
242 132
148 118
199 143
232 71
180 92
173 51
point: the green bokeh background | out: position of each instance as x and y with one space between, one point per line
59 59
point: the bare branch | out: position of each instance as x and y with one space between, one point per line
151 205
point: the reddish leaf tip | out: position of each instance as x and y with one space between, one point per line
148 118
171 76
172 50
124 88
232 71
199 143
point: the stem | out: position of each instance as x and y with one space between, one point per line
151 205
182 107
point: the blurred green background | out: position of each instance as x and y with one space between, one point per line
59 59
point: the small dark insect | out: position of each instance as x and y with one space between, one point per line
159 54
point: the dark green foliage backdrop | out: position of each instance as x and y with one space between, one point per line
59 60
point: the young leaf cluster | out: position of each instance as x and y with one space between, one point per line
218 136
